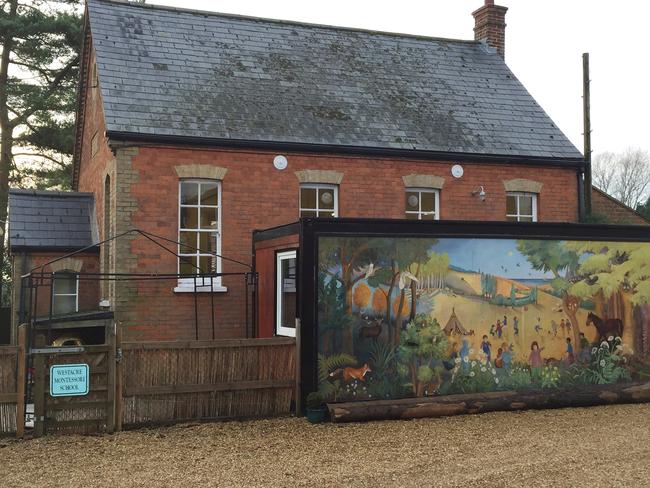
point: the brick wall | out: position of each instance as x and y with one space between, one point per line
89 289
614 211
256 196
144 194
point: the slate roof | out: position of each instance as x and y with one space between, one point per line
172 72
50 219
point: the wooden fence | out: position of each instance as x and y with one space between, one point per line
8 392
136 384
198 380
12 387
89 413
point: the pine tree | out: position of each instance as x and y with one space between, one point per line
644 208
40 42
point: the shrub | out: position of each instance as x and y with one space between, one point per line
550 377
475 376
315 400
518 379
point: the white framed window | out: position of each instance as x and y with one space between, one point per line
65 292
521 207
319 200
199 235
285 293
422 204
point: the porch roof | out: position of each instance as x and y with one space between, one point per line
50 220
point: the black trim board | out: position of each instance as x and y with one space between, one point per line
276 232
39 249
312 229
343 149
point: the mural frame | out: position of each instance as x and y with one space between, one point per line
311 230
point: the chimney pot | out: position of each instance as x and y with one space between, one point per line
490 26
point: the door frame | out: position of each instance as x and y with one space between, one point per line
279 257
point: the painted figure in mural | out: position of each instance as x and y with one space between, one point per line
505 322
562 326
486 348
585 349
515 325
554 327
568 326
569 358
492 330
507 356
538 326
535 358
498 361
464 354
499 329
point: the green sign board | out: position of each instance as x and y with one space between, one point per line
69 380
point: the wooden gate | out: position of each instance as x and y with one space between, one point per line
91 412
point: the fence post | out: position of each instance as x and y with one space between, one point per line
39 388
20 381
118 378
110 380
298 392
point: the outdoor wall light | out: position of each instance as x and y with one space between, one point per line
480 192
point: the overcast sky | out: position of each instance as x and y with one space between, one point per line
545 40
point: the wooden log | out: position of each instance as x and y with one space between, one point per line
409 408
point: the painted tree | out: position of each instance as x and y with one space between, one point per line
40 43
400 260
346 260
556 257
435 269
421 346
618 272
333 320
361 296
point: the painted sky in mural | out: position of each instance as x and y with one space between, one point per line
499 256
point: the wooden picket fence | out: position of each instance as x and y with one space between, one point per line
165 382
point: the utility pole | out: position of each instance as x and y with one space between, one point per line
586 103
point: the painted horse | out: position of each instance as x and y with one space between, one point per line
606 327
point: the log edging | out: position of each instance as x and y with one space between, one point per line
472 403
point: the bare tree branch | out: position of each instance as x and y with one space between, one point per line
625 176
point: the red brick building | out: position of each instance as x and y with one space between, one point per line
201 128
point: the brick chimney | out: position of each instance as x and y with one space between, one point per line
490 26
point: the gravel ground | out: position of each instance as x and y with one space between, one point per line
601 446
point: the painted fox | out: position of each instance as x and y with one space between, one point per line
350 373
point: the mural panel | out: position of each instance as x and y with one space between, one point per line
400 317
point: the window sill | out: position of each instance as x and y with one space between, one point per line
200 289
